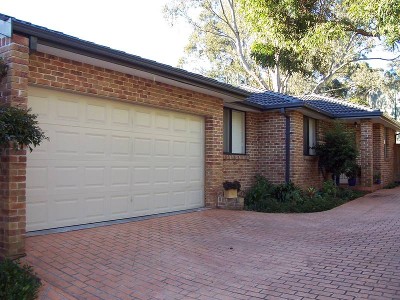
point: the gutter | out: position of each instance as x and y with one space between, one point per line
287 145
69 43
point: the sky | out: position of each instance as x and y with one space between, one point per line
134 26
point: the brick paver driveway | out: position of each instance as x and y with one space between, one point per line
351 252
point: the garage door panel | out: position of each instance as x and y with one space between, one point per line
121 146
142 204
96 114
95 208
118 206
37 212
68 110
142 176
161 147
107 160
162 121
65 210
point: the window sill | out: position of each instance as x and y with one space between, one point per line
236 156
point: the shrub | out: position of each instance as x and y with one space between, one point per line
266 197
392 185
258 194
337 150
18 282
19 127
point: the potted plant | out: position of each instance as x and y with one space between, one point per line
231 188
377 177
353 170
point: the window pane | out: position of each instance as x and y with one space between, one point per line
311 135
226 129
238 136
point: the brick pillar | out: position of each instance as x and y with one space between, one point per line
214 159
13 91
366 153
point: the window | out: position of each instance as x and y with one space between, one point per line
309 135
234 131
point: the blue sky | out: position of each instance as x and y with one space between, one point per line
133 26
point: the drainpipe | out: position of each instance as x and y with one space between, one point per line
287 145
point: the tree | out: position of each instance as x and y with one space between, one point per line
20 128
337 151
269 43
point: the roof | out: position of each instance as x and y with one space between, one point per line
339 108
329 106
61 40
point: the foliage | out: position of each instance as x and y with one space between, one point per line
352 169
20 128
295 46
337 150
288 198
231 185
18 282
392 185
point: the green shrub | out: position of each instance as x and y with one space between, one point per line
17 282
20 128
286 192
392 185
287 197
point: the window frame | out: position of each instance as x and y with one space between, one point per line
306 135
230 132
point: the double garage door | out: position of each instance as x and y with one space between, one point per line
108 160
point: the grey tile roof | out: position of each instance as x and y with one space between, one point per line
269 98
338 108
326 105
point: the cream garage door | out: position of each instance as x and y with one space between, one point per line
109 160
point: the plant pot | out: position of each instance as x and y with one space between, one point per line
352 181
378 181
231 193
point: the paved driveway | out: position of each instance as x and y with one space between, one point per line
351 252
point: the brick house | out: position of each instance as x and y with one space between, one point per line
132 137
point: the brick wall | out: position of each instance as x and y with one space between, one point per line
272 146
13 91
383 164
366 152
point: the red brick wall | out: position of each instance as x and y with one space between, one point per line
383 165
272 146
366 152
13 91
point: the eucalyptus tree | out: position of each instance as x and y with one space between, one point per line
271 44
